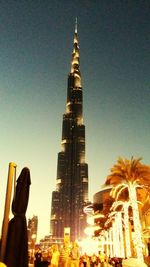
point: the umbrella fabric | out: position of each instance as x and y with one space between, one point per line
16 254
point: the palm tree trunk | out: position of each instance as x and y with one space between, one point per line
121 241
137 224
127 232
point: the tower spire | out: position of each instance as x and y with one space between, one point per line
75 62
76 25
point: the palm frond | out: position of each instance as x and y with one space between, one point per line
121 190
116 191
129 170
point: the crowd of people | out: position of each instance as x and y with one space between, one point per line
72 256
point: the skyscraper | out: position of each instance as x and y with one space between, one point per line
32 231
71 194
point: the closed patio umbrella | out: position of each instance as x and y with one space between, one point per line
16 254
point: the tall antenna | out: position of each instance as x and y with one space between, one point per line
76 25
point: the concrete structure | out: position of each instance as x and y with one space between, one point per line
32 232
46 242
71 194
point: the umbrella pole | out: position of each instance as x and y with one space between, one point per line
11 171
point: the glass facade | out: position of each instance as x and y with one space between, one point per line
71 194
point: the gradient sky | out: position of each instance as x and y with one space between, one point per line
36 40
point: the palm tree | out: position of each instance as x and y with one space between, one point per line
129 175
114 222
125 207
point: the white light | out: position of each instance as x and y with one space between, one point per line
91 229
89 246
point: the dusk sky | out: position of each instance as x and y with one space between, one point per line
36 40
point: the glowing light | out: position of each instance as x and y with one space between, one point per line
91 229
125 205
89 246
90 219
137 240
133 175
64 141
137 225
58 181
88 209
85 180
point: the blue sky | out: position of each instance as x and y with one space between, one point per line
35 53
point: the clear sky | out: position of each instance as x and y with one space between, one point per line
36 40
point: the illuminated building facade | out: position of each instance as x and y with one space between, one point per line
32 230
71 194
